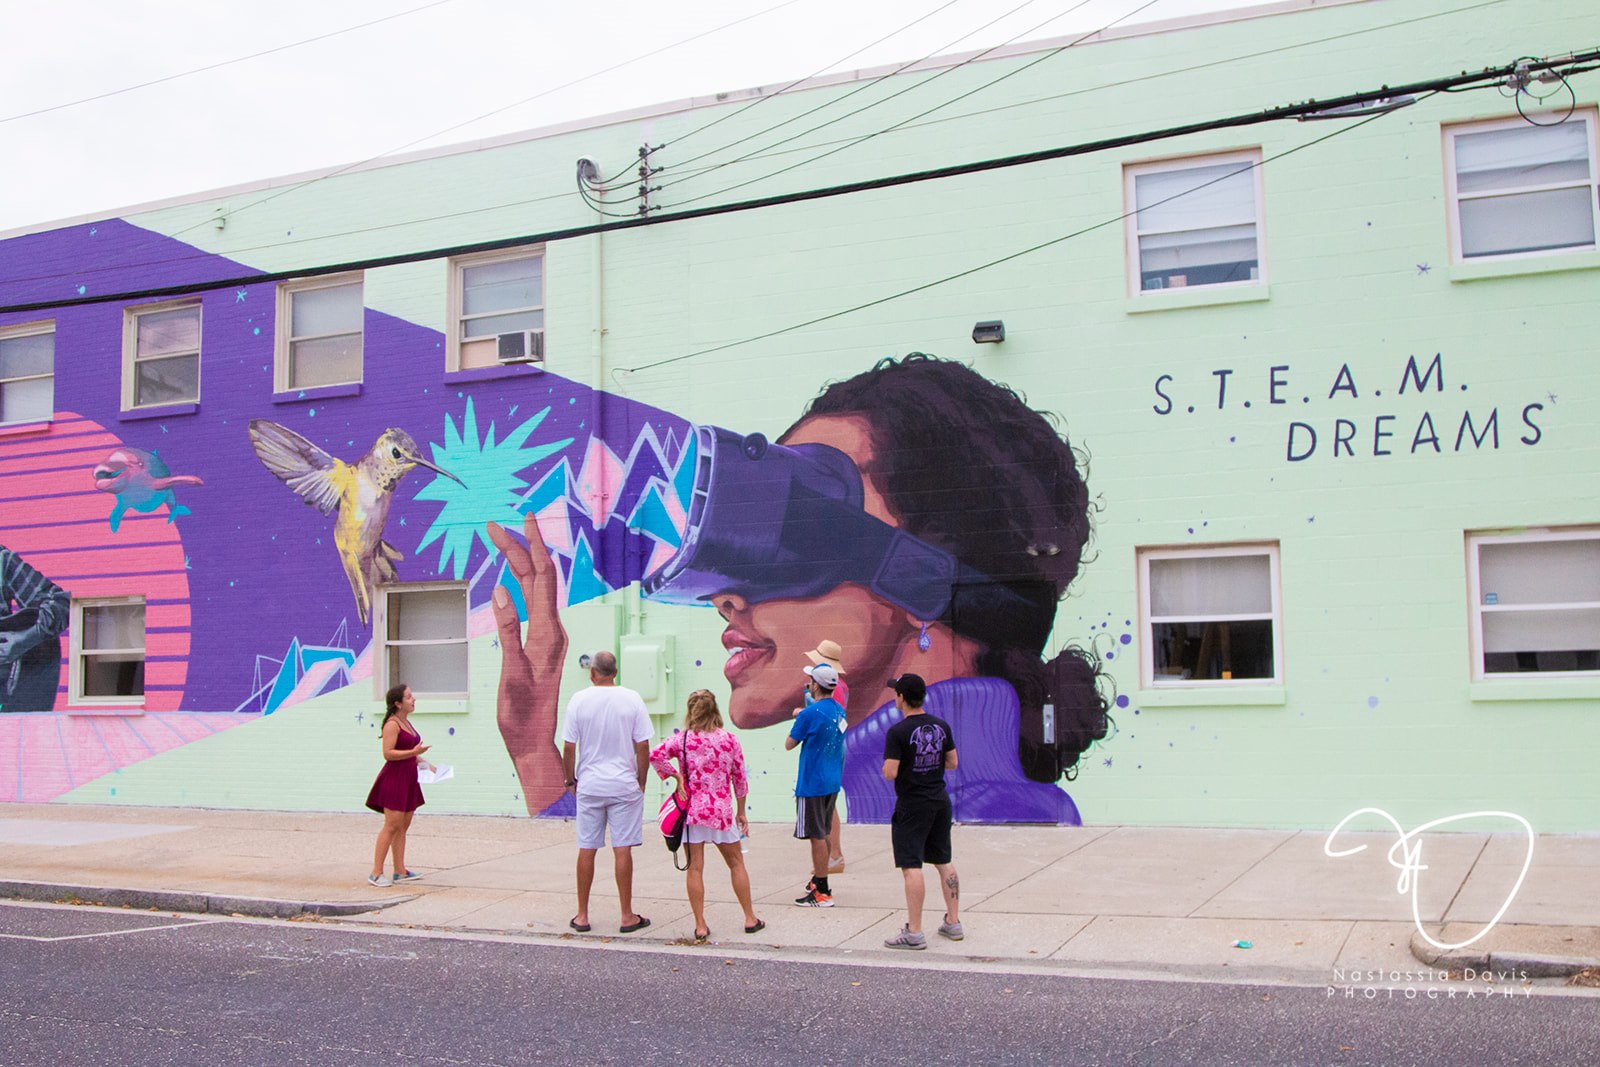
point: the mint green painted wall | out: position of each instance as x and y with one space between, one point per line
1377 705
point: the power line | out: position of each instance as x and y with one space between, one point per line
598 204
864 86
771 150
490 114
82 272
1575 63
816 73
645 171
1003 259
197 256
921 114
219 65
1202 66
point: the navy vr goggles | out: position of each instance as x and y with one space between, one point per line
769 521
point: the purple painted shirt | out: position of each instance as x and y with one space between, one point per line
988 786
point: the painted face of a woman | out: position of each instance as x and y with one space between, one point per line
767 642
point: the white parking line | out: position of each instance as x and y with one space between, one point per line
106 933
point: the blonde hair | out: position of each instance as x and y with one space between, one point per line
703 715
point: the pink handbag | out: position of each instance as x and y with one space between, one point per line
675 814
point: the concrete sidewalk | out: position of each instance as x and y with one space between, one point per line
1097 899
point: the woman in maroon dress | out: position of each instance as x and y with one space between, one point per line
396 793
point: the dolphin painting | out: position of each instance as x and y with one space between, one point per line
142 481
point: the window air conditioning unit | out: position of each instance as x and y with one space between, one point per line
521 346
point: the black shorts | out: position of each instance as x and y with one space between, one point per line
921 833
813 816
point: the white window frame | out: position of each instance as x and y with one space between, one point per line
32 329
284 341
1477 607
1132 231
380 631
130 352
75 673
456 300
1148 621
1453 195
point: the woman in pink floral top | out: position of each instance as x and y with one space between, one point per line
717 788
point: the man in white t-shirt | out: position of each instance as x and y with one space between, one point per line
606 752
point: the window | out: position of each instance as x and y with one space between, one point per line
1211 615
108 649
496 309
27 372
1194 222
319 332
1535 602
161 355
424 632
1520 189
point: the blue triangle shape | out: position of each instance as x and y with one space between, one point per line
288 675
311 656
583 583
651 518
683 480
514 589
551 487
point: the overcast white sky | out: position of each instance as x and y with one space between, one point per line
369 92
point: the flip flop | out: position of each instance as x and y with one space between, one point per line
640 925
761 924
700 938
582 928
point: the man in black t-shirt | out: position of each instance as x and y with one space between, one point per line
916 752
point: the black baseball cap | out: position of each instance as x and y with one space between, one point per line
910 686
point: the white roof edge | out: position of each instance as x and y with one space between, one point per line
1116 33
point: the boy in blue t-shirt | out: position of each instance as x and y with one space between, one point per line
819 732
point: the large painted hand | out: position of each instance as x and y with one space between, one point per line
530 669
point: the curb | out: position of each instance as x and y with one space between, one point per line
200 903
1533 965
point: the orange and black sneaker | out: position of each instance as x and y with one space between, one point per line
814 899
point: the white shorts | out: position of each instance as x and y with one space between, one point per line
624 815
705 835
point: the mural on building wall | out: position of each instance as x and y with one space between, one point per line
140 481
357 495
875 521
34 611
53 517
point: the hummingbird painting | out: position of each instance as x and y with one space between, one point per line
357 495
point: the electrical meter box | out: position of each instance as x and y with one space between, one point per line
646 668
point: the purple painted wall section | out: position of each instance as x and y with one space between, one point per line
246 573
262 568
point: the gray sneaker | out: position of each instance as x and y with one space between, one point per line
952 930
906 939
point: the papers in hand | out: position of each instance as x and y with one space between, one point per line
437 772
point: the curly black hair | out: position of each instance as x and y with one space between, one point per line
966 465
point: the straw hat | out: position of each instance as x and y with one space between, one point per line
827 652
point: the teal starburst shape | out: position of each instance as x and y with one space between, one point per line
494 484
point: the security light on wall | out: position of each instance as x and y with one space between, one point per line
989 333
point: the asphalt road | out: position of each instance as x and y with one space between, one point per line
92 986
